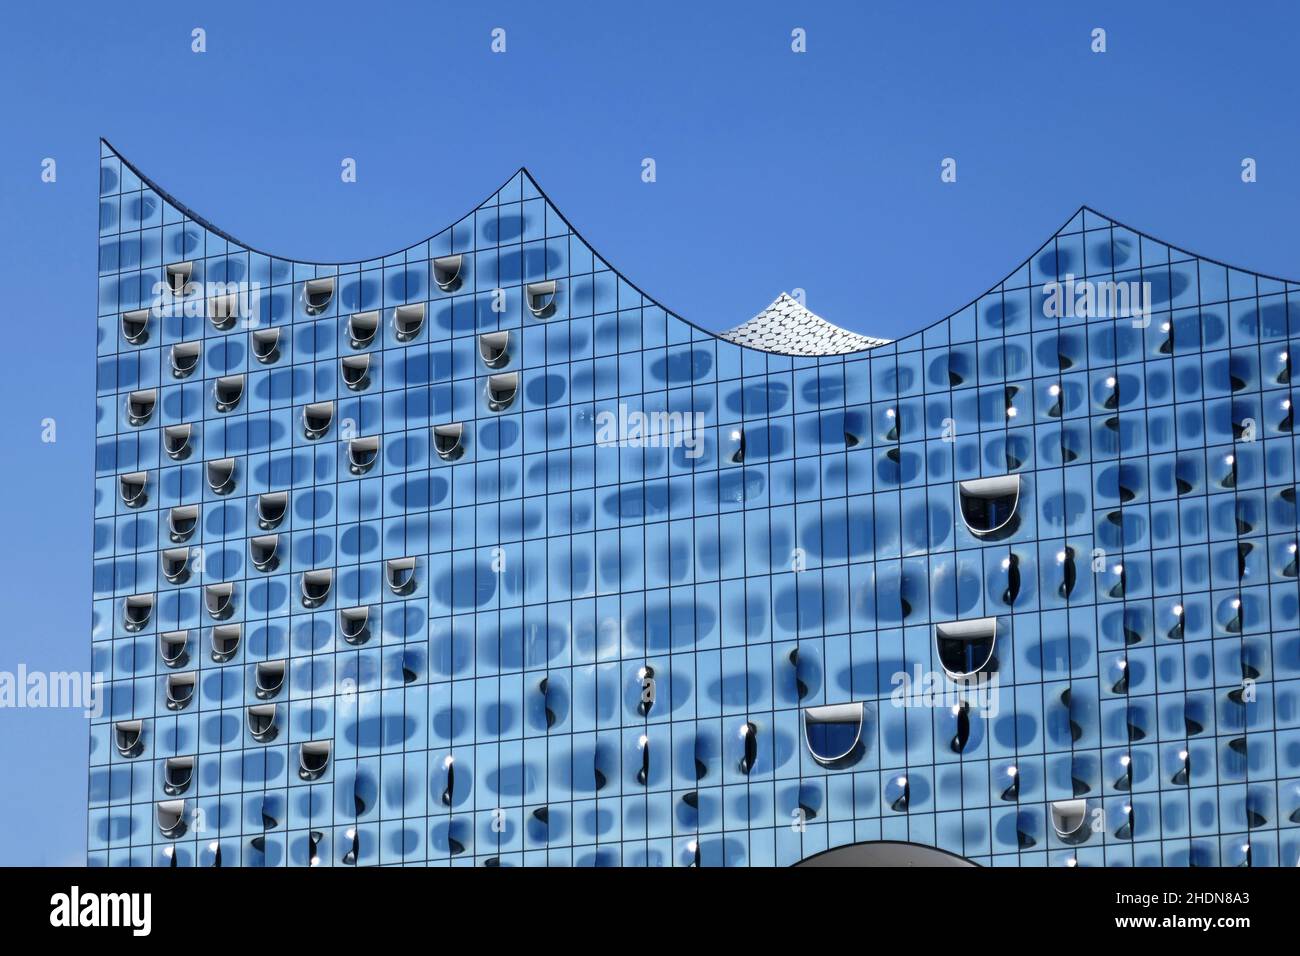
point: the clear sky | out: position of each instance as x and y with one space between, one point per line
775 170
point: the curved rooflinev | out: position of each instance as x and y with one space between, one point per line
722 335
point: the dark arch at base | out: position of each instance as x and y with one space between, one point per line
885 853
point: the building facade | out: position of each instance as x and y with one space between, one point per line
476 555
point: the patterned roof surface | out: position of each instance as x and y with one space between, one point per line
787 327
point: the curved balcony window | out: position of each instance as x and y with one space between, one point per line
140 405
316 419
135 326
137 610
401 575
217 598
178 773
313 759
182 521
965 648
362 327
223 310
266 345
263 551
494 348
989 504
129 737
316 587
221 475
228 391
1069 817
185 358
171 817
540 297
225 642
180 690
261 722
316 295
408 320
362 454
178 277
134 488
446 272
271 509
501 390
832 733
176 441
354 624
355 370
175 564
269 679
173 648
446 441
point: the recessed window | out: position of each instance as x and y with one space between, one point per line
362 454
129 737
541 298
180 690
182 522
362 327
221 475
217 598
989 504
446 272
269 679
832 733
178 277
223 310
261 722
965 648
446 441
494 348
1069 817
173 648
501 390
136 612
185 358
140 405
316 295
408 320
316 419
171 817
134 487
355 370
316 586
271 508
228 391
225 642
266 345
313 759
176 441
135 326
178 773
263 551
401 575
175 564
354 624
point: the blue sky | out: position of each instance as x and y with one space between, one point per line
775 170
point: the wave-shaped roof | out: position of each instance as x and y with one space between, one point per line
786 327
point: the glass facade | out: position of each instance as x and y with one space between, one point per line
475 555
